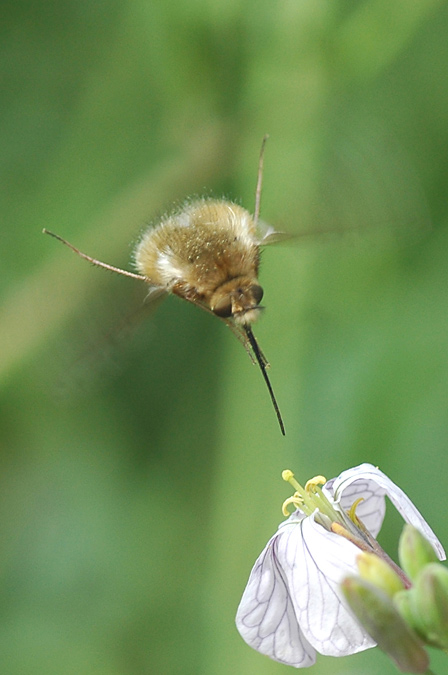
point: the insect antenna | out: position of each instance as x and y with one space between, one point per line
259 180
98 263
262 363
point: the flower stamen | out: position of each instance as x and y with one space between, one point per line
288 476
352 511
295 500
311 498
311 484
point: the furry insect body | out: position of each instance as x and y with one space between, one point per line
206 253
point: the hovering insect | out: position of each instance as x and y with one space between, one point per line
208 253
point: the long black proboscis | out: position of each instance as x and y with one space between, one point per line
262 364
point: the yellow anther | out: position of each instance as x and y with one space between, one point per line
352 512
314 482
295 500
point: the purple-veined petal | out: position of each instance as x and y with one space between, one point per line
266 618
369 482
314 561
372 509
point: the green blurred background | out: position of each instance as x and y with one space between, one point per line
140 480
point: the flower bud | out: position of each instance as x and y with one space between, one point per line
376 612
381 575
431 604
405 604
414 551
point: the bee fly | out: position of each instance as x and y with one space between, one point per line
208 253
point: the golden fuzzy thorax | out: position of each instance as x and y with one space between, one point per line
204 253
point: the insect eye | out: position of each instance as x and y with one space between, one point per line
223 308
257 293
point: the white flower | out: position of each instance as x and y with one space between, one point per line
292 606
